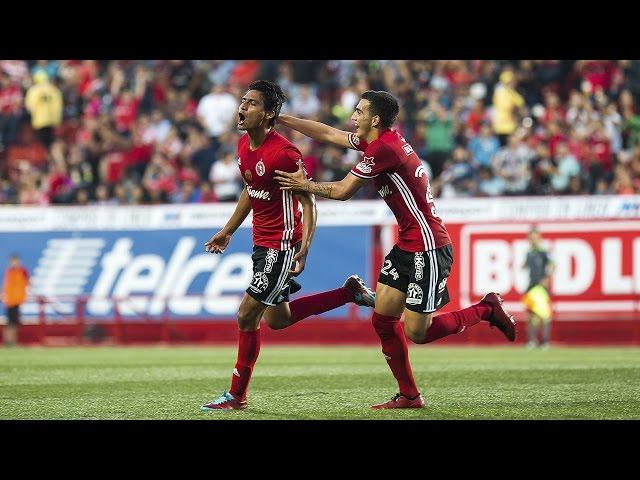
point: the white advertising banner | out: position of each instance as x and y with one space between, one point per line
330 213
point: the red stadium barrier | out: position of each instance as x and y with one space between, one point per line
588 328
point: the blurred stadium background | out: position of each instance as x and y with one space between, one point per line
113 174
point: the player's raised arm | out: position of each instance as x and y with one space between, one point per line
218 242
316 130
298 181
310 216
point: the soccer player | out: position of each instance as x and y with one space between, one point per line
281 243
536 299
413 279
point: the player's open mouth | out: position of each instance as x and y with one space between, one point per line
241 119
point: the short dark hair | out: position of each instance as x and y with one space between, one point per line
273 96
384 105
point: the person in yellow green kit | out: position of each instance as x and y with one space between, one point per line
536 299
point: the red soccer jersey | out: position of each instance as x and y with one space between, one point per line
402 182
277 217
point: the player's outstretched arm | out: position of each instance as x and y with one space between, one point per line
310 217
218 242
316 130
298 181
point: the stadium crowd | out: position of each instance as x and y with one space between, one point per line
163 131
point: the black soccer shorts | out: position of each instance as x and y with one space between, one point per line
421 275
271 283
13 315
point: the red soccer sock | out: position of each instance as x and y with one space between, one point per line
319 303
455 322
248 350
395 350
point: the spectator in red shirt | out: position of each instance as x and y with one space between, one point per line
596 74
601 147
206 193
477 115
125 112
160 176
553 111
10 110
555 136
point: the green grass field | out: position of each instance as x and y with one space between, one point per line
319 383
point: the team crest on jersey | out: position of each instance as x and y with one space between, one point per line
418 261
260 168
272 257
247 176
260 282
365 165
414 294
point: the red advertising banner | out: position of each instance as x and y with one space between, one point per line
597 266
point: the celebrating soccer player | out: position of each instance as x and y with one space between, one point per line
413 279
281 242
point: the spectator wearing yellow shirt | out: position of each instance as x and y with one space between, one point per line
506 102
44 102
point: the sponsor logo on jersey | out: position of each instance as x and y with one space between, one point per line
260 168
272 257
236 373
260 282
414 294
258 194
420 171
365 165
407 149
418 261
384 191
441 286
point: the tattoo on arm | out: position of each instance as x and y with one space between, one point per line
322 189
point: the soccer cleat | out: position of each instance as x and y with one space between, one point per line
362 294
400 401
225 402
500 318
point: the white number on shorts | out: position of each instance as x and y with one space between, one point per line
393 272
